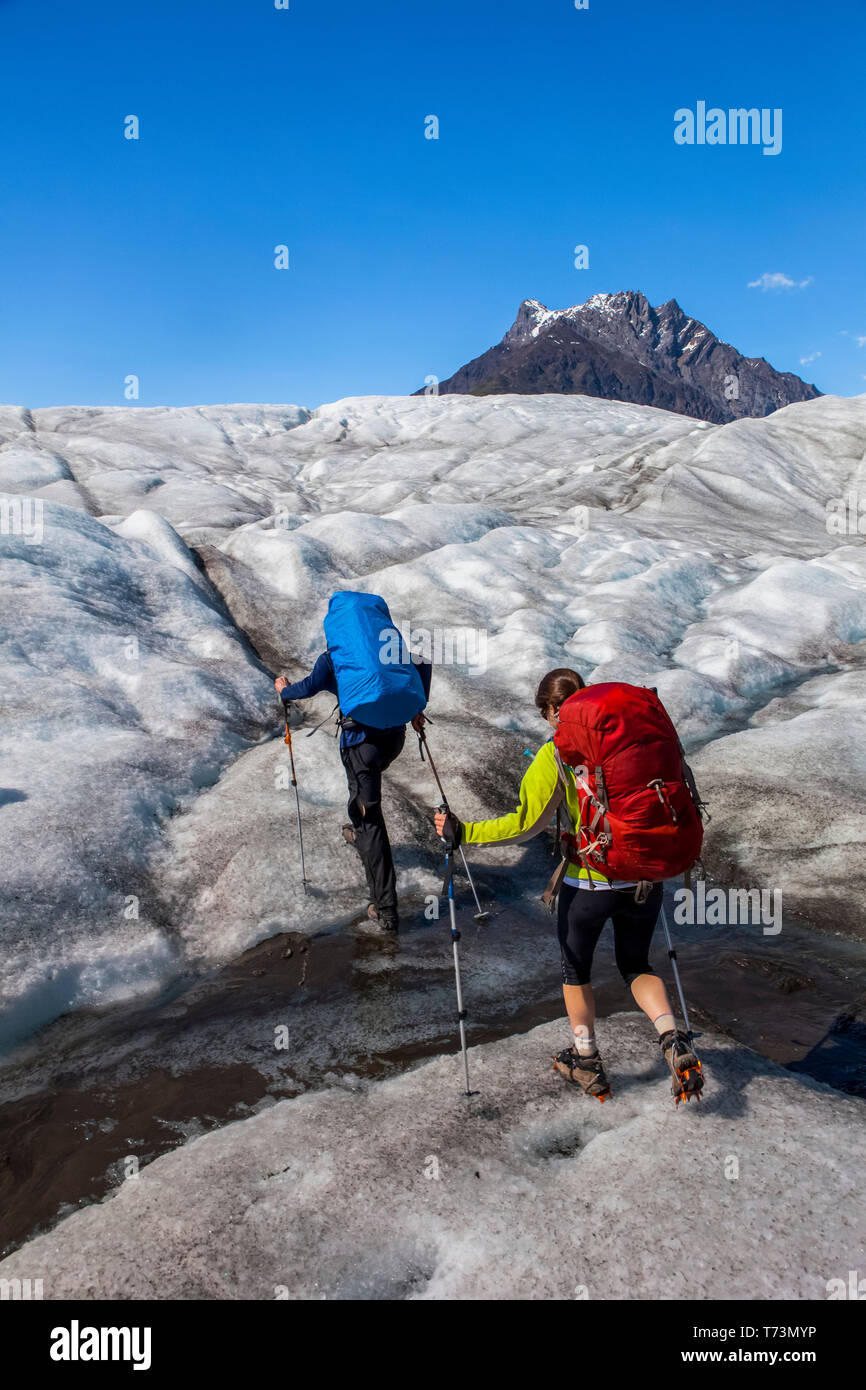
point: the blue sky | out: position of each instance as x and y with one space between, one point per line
409 256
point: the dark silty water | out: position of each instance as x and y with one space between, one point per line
343 1007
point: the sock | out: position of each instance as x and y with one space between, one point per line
584 1042
664 1023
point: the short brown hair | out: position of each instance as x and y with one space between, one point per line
556 686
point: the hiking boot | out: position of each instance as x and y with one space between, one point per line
586 1072
684 1066
385 918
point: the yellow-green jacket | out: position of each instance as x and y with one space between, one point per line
541 791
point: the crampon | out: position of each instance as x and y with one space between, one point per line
685 1068
586 1072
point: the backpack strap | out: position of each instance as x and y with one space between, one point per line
598 826
599 819
601 788
335 710
554 884
689 779
563 787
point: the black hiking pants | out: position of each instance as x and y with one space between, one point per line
364 763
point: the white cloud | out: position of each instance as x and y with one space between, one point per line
810 358
775 280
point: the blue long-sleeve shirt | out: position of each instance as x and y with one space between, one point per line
323 678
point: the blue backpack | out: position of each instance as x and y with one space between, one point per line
372 687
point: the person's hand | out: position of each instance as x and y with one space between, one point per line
280 684
418 723
448 828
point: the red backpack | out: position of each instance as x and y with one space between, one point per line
640 812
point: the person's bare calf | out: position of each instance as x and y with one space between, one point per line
649 993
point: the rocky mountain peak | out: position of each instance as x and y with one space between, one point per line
618 346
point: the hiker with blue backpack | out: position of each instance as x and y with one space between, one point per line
379 689
615 773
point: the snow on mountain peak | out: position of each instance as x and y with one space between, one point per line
533 317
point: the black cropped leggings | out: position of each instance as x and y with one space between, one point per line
582 915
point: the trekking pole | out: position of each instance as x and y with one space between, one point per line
288 741
455 937
672 957
480 915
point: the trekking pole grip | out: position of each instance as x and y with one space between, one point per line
287 739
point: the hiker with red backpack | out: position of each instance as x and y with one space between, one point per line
614 772
380 687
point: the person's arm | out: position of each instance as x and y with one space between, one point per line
320 678
540 794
